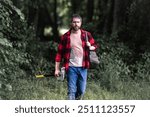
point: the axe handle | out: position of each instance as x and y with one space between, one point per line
43 75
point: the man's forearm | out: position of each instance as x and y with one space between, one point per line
57 65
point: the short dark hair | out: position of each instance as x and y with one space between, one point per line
76 16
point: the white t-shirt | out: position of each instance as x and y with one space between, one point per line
76 55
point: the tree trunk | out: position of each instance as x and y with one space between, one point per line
75 5
119 14
108 18
51 20
33 18
90 10
55 26
101 14
116 15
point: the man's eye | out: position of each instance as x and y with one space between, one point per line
75 22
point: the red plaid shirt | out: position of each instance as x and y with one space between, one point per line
64 49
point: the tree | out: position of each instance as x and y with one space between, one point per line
139 25
75 5
90 10
105 16
119 14
40 14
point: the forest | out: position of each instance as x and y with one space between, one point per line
30 31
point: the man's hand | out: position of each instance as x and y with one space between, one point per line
88 44
91 48
57 73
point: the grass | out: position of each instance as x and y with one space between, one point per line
52 89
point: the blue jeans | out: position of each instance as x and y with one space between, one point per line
76 78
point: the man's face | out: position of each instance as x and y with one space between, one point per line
76 24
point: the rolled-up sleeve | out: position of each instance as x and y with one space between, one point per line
59 54
92 41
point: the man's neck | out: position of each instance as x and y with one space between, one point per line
75 31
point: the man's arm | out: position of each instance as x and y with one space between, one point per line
90 47
57 70
91 42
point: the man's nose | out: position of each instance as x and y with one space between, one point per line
76 23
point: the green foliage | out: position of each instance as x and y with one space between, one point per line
15 62
51 89
21 54
116 68
138 25
42 89
114 71
12 21
141 68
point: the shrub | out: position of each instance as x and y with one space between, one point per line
14 60
113 69
141 68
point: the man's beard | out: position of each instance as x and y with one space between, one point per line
76 28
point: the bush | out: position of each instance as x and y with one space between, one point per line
21 54
113 68
113 72
15 62
141 68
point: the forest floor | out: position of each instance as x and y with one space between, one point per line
49 88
